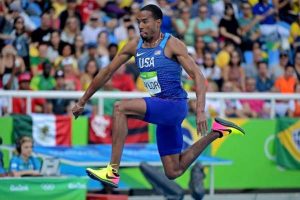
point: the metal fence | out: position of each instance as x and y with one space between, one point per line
101 95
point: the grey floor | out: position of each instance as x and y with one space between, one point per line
259 196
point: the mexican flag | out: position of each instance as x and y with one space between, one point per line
45 129
287 143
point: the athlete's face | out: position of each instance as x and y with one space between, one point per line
148 25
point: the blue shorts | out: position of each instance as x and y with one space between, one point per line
168 115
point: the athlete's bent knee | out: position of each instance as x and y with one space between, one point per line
172 174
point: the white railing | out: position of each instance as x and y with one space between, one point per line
101 95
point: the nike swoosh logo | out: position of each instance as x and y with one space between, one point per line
110 177
139 54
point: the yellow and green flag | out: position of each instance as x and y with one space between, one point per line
287 143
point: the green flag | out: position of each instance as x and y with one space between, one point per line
287 143
22 126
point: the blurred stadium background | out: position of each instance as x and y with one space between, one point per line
249 52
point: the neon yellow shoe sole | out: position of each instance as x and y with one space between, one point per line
101 175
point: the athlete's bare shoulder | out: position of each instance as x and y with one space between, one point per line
175 47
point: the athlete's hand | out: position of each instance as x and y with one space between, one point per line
201 123
77 109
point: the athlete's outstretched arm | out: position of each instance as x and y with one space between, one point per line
105 74
179 50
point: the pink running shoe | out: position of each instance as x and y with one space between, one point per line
225 127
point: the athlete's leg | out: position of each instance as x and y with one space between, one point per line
176 164
134 108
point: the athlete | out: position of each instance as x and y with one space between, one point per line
159 57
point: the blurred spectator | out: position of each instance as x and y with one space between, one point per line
287 82
294 38
199 50
20 40
258 55
91 70
266 11
92 28
112 50
70 30
249 27
295 6
79 46
219 7
212 106
268 25
198 4
54 21
91 54
131 35
284 10
10 66
66 52
70 12
211 71
184 26
254 108
278 70
102 44
223 57
122 81
134 10
85 8
59 6
263 82
59 106
23 163
205 27
42 34
54 46
44 81
112 8
233 107
168 16
71 74
229 27
41 57
19 104
234 72
6 26
294 105
121 31
15 10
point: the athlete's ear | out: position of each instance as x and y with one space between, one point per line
158 21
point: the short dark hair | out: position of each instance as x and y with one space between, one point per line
130 27
111 45
155 10
262 62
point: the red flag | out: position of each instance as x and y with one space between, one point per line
100 130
